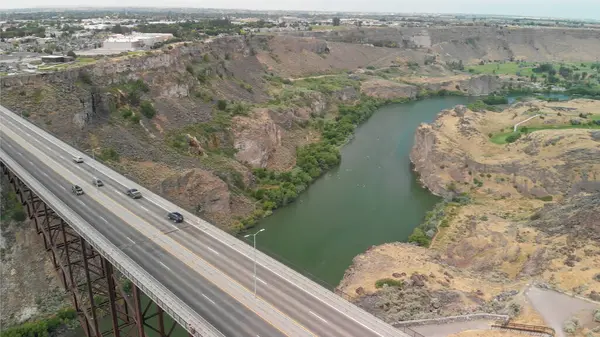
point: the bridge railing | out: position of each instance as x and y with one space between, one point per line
172 305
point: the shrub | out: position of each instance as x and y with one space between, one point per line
570 326
72 54
419 237
147 109
190 69
389 282
108 154
222 105
135 119
513 137
546 198
597 316
126 112
495 100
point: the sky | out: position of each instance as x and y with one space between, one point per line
575 9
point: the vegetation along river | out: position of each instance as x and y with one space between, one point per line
373 197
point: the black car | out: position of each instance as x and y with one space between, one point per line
133 193
175 217
97 182
77 190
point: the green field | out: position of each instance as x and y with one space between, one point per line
500 138
524 68
507 68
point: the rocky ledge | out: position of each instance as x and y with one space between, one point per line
459 151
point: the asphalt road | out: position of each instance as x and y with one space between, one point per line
211 273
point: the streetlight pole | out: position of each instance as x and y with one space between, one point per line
254 236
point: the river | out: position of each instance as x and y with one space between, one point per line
371 198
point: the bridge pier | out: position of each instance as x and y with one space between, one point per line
95 288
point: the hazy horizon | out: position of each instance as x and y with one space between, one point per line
573 9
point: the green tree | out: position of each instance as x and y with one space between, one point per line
336 21
72 54
222 105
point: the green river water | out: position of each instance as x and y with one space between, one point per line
373 197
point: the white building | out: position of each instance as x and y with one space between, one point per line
134 41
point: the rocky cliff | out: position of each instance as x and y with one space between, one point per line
474 43
455 152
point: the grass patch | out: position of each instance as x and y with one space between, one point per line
390 282
505 137
42 327
327 85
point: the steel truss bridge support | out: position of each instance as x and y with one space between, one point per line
95 288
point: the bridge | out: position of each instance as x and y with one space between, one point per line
199 275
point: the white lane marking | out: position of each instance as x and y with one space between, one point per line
64 188
81 202
128 238
144 208
285 279
61 157
211 301
30 162
20 154
103 219
259 280
116 190
164 265
9 145
317 316
45 174
212 250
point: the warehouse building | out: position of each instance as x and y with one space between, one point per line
134 41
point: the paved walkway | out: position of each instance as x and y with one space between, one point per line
555 307
443 330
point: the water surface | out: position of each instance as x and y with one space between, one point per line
371 198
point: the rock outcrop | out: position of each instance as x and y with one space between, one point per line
198 189
455 153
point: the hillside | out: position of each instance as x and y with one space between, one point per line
516 213
473 44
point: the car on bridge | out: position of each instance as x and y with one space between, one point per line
133 193
97 182
175 217
78 159
77 190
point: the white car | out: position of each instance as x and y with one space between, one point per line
78 159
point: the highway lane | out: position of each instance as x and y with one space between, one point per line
218 308
315 313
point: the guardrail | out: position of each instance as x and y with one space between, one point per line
532 329
171 304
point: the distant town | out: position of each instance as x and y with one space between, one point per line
46 40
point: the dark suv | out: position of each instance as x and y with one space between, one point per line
175 217
76 190
133 193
